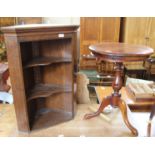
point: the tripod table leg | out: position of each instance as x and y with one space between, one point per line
124 111
105 102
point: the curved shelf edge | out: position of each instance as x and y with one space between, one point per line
46 90
44 61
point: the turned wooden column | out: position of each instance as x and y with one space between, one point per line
117 83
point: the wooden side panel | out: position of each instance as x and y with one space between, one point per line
16 73
110 28
76 51
96 30
24 48
135 30
138 30
89 33
61 73
7 21
29 77
151 33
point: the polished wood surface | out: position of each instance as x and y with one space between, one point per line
121 49
118 53
37 27
33 75
121 52
115 99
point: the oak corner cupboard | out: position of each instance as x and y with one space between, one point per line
41 65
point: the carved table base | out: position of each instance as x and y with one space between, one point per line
115 99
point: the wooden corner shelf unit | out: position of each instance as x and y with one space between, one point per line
41 64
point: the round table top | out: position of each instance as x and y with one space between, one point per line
120 52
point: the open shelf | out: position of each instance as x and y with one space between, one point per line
42 116
46 90
44 61
43 77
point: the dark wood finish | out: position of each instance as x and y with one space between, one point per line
135 71
150 68
36 76
46 90
17 81
136 106
101 93
118 53
44 61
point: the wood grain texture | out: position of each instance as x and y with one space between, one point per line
16 72
44 61
95 30
34 80
121 52
118 53
104 91
98 29
135 29
7 21
139 30
46 90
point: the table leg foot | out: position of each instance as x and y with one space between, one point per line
123 109
104 103
149 129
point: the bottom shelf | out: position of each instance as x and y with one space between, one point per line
46 90
49 117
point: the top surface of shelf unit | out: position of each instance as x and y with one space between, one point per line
43 61
36 27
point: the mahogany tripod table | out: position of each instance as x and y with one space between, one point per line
118 53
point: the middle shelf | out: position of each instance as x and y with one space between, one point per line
44 61
46 90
